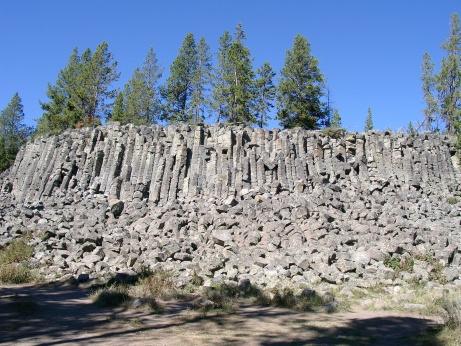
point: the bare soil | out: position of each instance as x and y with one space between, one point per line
58 314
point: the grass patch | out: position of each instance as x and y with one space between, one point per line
15 273
111 297
450 333
452 307
17 251
306 300
14 268
159 284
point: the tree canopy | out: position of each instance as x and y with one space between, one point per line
13 131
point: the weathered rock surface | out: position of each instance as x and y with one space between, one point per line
236 203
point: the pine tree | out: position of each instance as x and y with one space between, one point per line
336 121
221 81
449 78
98 72
61 112
241 78
201 81
265 93
179 86
411 129
300 89
82 94
118 113
429 83
234 85
13 131
369 121
136 100
139 103
152 72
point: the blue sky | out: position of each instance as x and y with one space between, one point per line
369 51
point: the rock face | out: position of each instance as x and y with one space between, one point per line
237 203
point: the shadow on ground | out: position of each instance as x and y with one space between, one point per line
56 314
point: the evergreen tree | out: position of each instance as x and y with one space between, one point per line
82 93
300 89
152 72
241 77
221 80
13 132
94 93
449 78
429 80
180 84
60 112
336 121
369 121
137 98
202 79
139 103
118 113
265 93
411 129
234 87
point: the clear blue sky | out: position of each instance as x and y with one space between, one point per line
369 51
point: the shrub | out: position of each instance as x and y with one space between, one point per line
392 262
307 300
110 297
14 273
159 284
400 265
452 307
17 251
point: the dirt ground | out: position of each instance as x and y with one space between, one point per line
65 315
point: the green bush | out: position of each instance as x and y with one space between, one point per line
400 265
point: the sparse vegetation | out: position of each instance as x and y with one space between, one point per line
306 300
436 273
16 252
14 268
334 132
159 284
112 296
400 264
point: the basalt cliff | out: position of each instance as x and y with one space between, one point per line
238 203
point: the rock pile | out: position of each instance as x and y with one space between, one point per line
236 203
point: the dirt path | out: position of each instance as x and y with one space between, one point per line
64 315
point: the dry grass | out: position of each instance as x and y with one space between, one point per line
16 252
15 273
14 268
306 300
159 284
111 297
